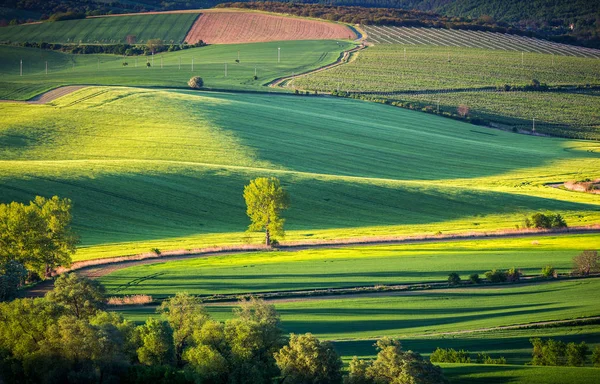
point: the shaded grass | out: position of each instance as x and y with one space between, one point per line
500 374
346 267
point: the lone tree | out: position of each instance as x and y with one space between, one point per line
196 82
265 198
586 262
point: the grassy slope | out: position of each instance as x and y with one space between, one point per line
209 63
427 68
171 28
346 267
138 180
486 374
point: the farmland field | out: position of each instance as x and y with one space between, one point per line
171 28
172 69
250 27
472 39
426 75
346 267
139 183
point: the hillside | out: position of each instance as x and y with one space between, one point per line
138 182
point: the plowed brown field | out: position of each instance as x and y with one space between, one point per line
251 27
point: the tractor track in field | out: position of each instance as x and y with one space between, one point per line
49 96
100 267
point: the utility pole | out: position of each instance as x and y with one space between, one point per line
238 56
533 130
404 54
180 63
46 67
136 62
438 106
21 68
161 65
152 59
278 54
192 64
522 58
225 69
254 71
553 59
98 63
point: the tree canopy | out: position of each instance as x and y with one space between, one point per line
265 199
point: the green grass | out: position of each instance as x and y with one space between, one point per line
171 28
166 169
209 63
346 267
501 374
380 72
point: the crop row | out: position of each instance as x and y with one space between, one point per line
472 39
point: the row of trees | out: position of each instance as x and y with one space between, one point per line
67 337
450 355
128 49
558 353
35 239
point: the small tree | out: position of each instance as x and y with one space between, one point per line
586 262
80 296
453 278
156 339
549 271
306 360
548 352
513 275
463 110
196 82
265 198
154 44
596 356
496 276
474 278
577 354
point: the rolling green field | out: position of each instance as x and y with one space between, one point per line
382 72
422 313
485 374
209 63
171 28
166 169
346 267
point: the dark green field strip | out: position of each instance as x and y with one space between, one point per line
500 374
171 28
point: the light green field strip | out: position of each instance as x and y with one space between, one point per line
347 267
166 169
208 62
468 374
171 28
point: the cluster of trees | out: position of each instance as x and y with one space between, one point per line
154 45
68 337
441 355
35 239
557 353
545 221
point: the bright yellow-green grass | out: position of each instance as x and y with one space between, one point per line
166 169
170 69
347 267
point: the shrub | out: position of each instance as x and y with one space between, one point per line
196 82
441 355
549 271
548 352
513 275
484 358
596 356
586 262
496 276
545 221
453 278
474 278
156 251
577 354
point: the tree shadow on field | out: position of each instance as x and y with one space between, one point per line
114 205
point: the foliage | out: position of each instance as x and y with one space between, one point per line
265 199
454 278
307 360
474 278
577 354
586 262
12 276
196 82
81 297
513 275
596 356
156 343
556 353
37 235
496 276
549 271
450 355
394 366
545 221
484 358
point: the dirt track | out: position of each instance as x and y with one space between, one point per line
49 96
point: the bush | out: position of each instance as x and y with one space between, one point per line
474 278
548 352
549 271
513 275
496 276
196 82
453 278
596 357
545 221
577 354
586 262
484 358
441 355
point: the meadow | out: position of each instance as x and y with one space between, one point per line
455 76
139 181
169 69
171 28
346 267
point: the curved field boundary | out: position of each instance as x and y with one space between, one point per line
345 57
100 267
253 27
49 96
473 39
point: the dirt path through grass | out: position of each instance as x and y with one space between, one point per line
51 95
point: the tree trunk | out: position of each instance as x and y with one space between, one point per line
267 234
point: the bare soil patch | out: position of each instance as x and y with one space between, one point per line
252 27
